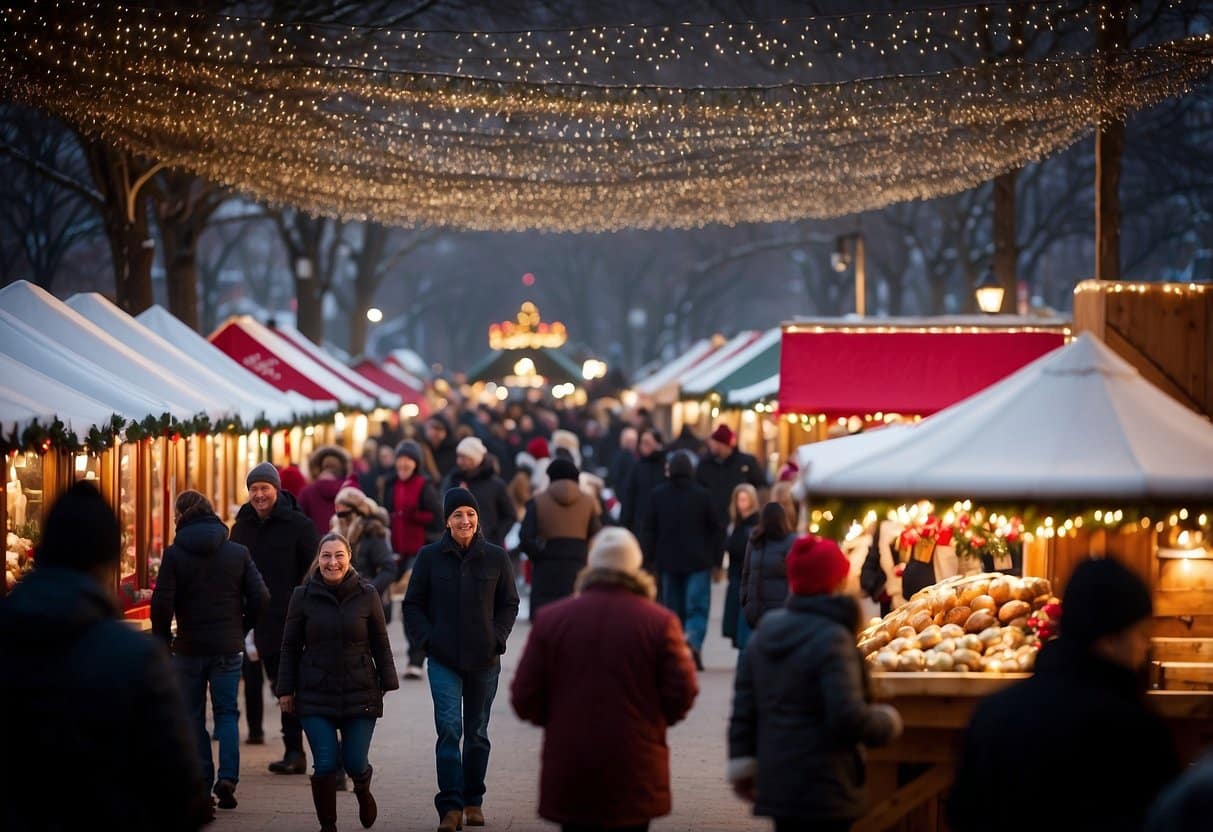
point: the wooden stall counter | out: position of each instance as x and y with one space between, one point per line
908 779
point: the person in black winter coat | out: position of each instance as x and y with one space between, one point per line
364 524
216 593
460 607
720 470
800 703
764 576
95 734
637 493
682 533
282 541
743 517
442 443
556 533
474 471
1085 706
336 666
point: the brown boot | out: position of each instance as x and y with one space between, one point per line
324 797
451 821
473 816
367 810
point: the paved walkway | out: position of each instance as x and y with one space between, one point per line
403 755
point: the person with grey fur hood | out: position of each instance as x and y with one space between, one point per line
365 524
801 706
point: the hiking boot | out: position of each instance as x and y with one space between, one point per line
256 739
293 762
225 791
473 816
367 810
324 798
697 657
412 672
451 821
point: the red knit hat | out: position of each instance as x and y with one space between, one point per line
538 448
815 566
723 434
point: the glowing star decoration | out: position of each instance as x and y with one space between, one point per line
527 332
595 128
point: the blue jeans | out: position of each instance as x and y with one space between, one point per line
743 631
462 702
222 675
350 753
689 597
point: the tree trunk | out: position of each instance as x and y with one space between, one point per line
1006 249
309 306
117 176
1112 35
181 270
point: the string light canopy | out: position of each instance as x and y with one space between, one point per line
584 129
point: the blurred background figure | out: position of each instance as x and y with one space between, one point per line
559 523
743 516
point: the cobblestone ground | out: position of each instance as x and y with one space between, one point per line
403 755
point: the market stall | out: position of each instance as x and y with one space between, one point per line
1074 455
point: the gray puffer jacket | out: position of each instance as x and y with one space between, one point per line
800 712
764 577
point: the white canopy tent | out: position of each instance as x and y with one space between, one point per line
27 395
41 310
1077 423
766 389
669 373
162 322
699 383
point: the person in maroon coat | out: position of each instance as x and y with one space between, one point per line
605 673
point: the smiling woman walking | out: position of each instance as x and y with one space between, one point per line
460 608
336 666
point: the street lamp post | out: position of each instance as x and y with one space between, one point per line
848 249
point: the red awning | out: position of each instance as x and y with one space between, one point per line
855 372
392 384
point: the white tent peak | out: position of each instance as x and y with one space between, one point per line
1087 354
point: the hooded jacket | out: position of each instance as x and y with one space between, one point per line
800 711
316 501
764 577
646 475
605 673
336 657
681 529
492 494
555 535
283 546
370 551
212 586
78 685
461 604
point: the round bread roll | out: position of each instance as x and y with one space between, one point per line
970 641
983 602
1038 586
1026 662
871 645
940 662
887 660
957 615
952 630
979 620
899 645
907 632
911 660
1022 591
1012 636
928 638
1040 601
1020 623
948 645
943 600
921 620
1000 590
937 620
1012 610
966 658
973 590
990 635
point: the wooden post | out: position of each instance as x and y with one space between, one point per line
1006 249
1111 37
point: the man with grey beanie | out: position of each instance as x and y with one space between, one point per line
283 543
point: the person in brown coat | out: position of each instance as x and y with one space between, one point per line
559 522
605 673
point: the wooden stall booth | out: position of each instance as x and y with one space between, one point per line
1095 462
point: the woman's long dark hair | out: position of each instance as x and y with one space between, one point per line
772 524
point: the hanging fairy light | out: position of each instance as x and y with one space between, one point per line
589 129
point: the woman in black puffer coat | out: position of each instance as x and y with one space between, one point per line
743 517
336 666
764 577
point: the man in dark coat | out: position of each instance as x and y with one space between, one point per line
681 530
79 689
460 607
442 443
559 522
474 471
1081 713
722 469
283 541
216 593
637 492
623 460
800 709
605 673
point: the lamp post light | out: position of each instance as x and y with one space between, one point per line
989 294
374 314
848 250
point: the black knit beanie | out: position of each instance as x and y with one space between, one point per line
562 469
80 532
458 498
410 449
1102 598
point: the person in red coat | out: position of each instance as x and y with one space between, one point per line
605 673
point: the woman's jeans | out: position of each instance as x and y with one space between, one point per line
222 675
462 702
328 754
689 597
